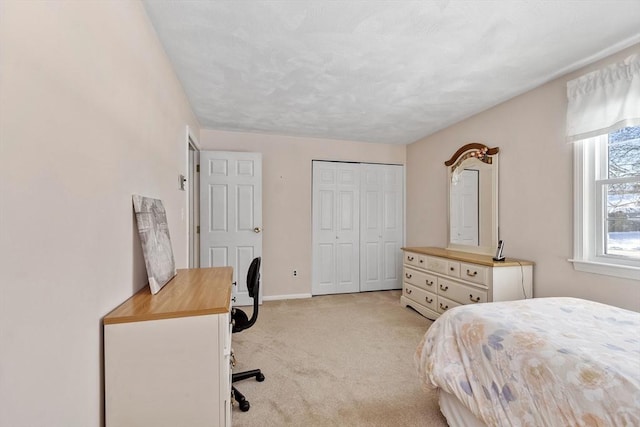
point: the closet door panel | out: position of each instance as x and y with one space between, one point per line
382 226
348 227
371 256
336 231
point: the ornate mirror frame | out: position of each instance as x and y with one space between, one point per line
474 157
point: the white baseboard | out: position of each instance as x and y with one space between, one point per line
282 297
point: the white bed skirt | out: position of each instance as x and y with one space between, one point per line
456 413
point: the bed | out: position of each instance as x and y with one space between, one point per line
537 362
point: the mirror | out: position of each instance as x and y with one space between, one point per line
472 174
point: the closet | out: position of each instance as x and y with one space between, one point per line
358 227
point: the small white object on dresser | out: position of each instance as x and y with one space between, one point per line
436 279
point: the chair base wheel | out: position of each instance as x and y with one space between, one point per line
244 405
260 377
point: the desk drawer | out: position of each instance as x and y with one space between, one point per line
420 296
461 293
420 279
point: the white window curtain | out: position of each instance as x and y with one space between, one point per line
604 100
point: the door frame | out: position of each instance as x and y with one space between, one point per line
192 148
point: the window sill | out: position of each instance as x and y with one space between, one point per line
616 270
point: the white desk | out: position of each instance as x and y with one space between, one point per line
167 355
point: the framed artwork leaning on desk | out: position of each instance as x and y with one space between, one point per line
156 242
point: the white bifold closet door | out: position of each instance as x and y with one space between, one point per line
357 227
336 232
381 226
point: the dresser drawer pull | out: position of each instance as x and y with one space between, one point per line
444 307
429 283
443 288
407 275
408 291
450 268
409 257
421 261
469 273
476 299
429 301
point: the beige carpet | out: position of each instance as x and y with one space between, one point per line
336 360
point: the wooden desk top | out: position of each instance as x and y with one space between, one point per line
192 292
468 257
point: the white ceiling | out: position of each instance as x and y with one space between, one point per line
376 71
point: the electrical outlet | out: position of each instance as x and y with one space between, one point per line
295 273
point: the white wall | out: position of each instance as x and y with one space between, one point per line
286 201
90 113
536 189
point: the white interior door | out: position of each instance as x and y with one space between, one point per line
464 209
336 231
231 214
381 226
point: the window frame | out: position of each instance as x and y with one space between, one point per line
590 180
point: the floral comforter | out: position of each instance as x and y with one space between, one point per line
537 362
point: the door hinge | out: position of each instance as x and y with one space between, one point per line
197 168
197 229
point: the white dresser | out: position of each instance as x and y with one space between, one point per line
437 279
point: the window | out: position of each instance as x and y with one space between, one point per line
619 185
607 208
603 122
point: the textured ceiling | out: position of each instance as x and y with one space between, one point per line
376 71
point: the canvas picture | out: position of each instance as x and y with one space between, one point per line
156 242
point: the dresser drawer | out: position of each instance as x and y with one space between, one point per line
474 273
453 268
411 258
420 296
439 265
445 304
463 294
420 279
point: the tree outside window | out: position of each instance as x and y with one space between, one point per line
621 185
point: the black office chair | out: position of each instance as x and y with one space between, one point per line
240 322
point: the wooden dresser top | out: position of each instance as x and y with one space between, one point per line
192 292
467 257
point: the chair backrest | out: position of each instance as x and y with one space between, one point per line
253 287
253 277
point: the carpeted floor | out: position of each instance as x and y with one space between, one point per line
336 360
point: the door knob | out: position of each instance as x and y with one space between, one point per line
257 230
